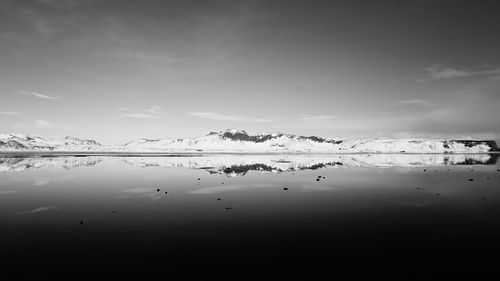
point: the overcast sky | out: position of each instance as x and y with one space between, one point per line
119 70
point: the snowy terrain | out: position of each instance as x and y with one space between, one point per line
237 141
21 142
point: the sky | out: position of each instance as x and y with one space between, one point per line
115 71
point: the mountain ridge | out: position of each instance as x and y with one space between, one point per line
233 140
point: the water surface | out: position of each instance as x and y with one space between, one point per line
213 215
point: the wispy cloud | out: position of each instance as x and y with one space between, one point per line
416 102
44 124
441 72
223 117
154 111
139 115
9 113
40 96
317 118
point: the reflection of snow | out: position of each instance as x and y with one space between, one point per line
22 164
240 164
237 165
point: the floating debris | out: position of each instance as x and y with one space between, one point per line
218 199
81 222
157 190
229 208
285 188
470 179
438 194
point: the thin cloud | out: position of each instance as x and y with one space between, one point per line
40 96
317 118
139 115
154 111
416 102
223 117
44 124
441 72
9 113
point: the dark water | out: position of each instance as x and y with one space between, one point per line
235 216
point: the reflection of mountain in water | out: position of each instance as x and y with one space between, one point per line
238 164
235 165
24 164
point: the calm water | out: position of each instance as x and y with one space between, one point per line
224 215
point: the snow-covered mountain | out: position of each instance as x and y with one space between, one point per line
20 142
238 141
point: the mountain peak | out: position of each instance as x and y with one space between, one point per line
235 131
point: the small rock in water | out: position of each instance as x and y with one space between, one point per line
317 179
438 194
218 199
166 192
199 179
229 208
470 179
81 222
158 190
425 170
324 177
286 188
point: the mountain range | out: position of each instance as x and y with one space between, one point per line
239 141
